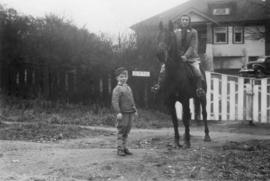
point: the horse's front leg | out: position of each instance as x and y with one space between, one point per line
197 105
175 124
204 113
186 121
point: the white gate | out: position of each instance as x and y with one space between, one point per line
237 98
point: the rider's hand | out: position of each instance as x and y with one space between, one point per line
119 116
184 58
155 88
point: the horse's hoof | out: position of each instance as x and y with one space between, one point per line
186 145
178 146
198 118
207 138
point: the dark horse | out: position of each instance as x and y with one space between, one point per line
179 85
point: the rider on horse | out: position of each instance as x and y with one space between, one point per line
187 50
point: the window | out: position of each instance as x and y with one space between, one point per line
252 58
222 11
220 35
238 34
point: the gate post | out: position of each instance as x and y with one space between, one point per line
146 93
249 101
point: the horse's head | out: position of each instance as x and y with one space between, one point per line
166 42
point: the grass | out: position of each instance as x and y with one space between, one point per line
20 110
52 115
39 120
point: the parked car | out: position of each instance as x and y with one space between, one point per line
258 68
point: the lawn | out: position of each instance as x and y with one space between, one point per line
19 110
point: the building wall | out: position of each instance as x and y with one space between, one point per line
232 56
267 38
255 40
228 62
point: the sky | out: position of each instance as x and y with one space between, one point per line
110 17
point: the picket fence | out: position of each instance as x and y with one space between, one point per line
233 98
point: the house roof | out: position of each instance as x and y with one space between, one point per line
242 11
193 11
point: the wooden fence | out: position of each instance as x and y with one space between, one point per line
57 83
228 97
233 98
32 81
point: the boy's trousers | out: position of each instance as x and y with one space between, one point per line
124 126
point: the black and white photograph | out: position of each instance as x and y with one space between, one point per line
134 90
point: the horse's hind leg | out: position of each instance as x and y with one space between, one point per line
186 121
204 113
175 125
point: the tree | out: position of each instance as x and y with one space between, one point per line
52 45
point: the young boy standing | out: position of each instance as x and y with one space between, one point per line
124 106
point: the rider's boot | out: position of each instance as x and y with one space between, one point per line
199 88
199 79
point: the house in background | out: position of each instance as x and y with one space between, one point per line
231 32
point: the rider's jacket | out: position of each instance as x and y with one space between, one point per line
187 43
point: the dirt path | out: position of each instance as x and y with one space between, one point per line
95 158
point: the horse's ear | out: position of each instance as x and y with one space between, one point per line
161 27
170 25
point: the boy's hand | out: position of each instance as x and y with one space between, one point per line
119 116
136 115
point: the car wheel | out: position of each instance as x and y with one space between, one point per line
259 73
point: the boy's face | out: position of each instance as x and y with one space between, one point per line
122 78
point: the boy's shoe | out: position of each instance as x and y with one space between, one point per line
121 152
127 152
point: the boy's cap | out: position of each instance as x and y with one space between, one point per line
119 70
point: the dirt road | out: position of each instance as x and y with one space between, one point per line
95 158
